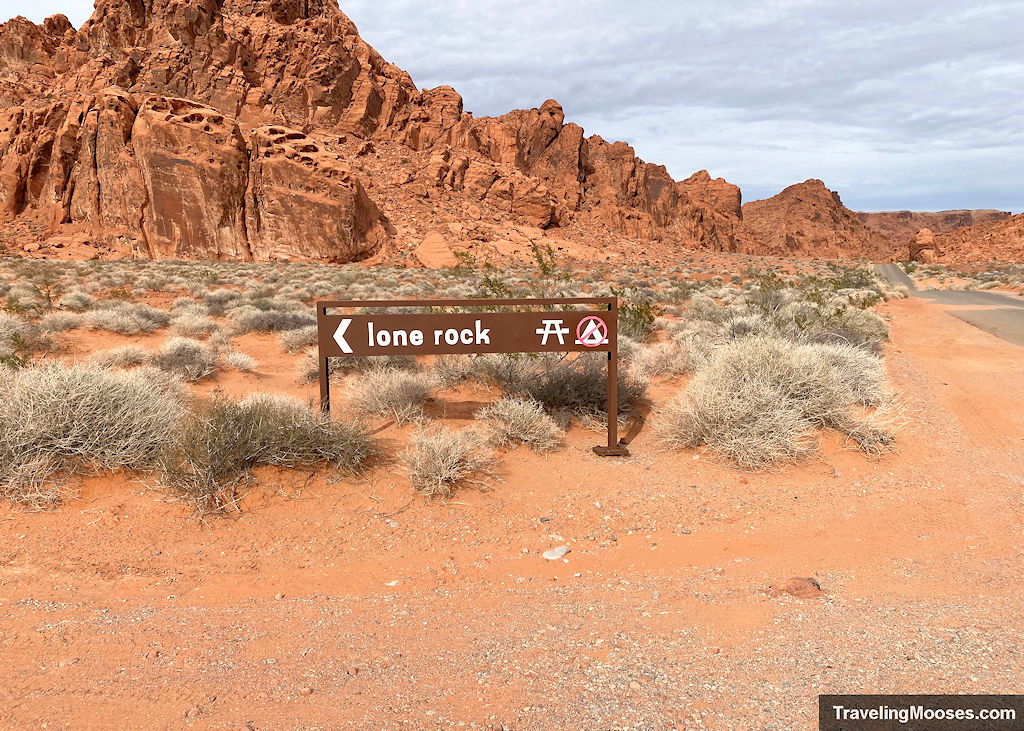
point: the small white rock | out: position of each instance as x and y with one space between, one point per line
556 553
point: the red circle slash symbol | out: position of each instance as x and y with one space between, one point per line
591 332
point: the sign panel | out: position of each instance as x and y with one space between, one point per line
342 333
464 332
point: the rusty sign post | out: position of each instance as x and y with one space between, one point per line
430 333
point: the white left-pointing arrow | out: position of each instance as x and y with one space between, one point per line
339 336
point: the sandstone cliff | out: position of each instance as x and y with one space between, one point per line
268 129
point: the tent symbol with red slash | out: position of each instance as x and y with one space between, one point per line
591 332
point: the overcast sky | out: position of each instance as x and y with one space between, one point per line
894 103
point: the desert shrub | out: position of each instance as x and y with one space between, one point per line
506 371
252 319
53 322
394 393
222 441
308 368
758 401
192 325
577 385
299 338
439 461
240 361
16 336
115 321
11 325
126 319
76 301
20 338
217 300
852 278
852 326
664 359
452 370
128 356
187 358
628 347
58 418
703 307
740 326
520 420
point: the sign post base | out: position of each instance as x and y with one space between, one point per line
616 451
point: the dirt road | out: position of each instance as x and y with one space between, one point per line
998 314
351 604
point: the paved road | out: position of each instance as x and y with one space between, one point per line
1006 320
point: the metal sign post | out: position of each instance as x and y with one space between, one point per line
343 335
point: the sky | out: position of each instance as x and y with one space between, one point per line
896 104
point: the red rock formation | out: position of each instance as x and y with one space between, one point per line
194 165
1001 240
808 219
900 225
922 246
303 201
153 125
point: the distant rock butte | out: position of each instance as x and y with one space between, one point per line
958 236
1000 240
269 130
904 224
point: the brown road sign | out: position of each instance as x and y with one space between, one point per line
349 334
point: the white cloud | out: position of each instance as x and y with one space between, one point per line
894 103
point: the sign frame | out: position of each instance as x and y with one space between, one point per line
328 345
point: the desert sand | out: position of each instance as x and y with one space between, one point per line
330 602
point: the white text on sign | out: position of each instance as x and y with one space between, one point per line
452 336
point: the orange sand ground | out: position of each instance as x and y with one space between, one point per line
352 603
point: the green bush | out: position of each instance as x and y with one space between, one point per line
636 319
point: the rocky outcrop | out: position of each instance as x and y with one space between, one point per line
151 125
808 219
194 165
922 246
901 225
304 201
107 190
268 129
1001 240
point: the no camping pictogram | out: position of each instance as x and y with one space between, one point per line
592 332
